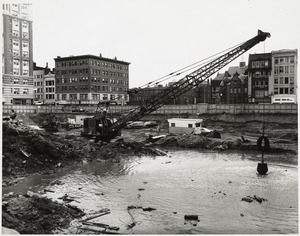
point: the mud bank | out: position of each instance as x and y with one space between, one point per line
27 150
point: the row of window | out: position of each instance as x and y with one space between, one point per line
94 97
91 63
93 71
93 79
16 33
284 60
260 64
92 88
16 62
19 91
16 53
16 71
284 70
284 90
16 43
18 81
284 80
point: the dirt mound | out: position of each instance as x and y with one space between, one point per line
36 215
27 151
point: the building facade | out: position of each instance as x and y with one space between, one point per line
229 87
44 84
259 72
283 81
88 79
17 56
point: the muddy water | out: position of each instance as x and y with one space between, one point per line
210 185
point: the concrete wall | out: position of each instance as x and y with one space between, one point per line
167 109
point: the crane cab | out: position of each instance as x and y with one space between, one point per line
99 128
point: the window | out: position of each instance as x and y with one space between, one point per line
96 96
25 72
281 80
25 35
25 81
64 96
172 124
275 90
286 80
25 44
292 60
15 33
25 91
292 69
25 63
280 69
16 71
83 96
16 91
276 61
190 125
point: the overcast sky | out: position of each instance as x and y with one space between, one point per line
159 36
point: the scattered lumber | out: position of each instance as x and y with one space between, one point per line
102 212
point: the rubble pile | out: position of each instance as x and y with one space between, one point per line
27 151
198 141
36 215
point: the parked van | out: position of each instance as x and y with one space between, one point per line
284 98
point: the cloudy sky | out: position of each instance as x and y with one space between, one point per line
159 36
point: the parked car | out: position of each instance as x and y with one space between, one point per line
136 125
38 103
149 124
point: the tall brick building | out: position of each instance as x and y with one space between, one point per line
88 79
17 56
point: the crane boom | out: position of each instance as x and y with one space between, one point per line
188 82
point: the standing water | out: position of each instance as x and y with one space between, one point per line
209 185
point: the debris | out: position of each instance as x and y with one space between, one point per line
191 217
97 214
254 198
67 198
102 225
242 215
47 190
134 207
141 189
149 209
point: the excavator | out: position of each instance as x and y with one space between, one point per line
103 128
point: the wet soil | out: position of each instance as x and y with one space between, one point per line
27 151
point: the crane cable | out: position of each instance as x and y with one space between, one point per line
185 69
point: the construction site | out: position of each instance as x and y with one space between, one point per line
144 172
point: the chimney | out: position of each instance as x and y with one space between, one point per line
46 64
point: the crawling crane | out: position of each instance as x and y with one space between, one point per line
102 128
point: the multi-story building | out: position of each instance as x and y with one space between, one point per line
90 79
259 72
228 87
139 96
17 62
283 80
44 84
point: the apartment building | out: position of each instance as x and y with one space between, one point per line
88 79
283 80
259 72
44 84
17 56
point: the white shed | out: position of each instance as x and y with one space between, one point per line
183 126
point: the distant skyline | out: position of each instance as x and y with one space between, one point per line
159 36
